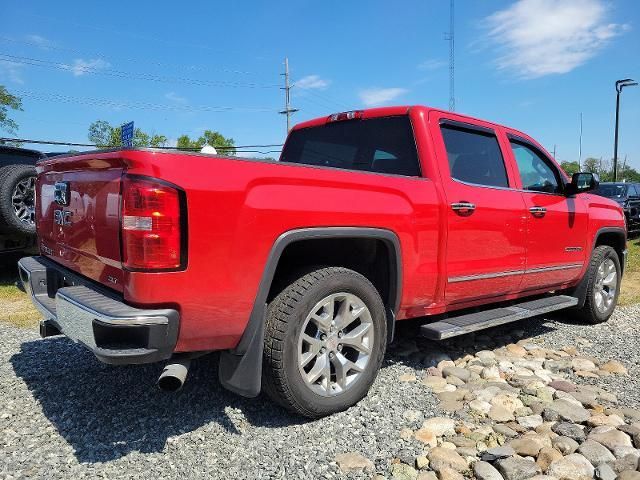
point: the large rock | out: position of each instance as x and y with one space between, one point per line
402 471
629 475
493 454
565 445
353 462
460 373
610 438
596 453
480 406
486 471
605 472
570 430
440 426
546 457
571 411
441 458
600 419
527 446
614 366
530 421
572 467
517 468
450 474
563 386
583 365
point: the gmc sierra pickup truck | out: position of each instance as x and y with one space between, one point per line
297 270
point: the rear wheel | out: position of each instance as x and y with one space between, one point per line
325 340
603 286
17 199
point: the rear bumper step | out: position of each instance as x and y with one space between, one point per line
115 332
471 322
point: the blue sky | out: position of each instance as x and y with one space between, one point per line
531 64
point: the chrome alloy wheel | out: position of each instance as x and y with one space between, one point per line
23 200
606 285
335 344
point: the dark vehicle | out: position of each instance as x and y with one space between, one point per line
628 196
17 202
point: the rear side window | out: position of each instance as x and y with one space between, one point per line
536 172
383 145
474 157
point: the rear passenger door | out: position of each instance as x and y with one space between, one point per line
556 223
485 247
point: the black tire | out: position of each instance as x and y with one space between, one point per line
590 313
10 222
282 379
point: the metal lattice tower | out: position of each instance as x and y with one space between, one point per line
451 37
288 110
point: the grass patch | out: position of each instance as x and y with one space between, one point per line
16 307
630 290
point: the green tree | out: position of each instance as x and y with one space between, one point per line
102 134
592 165
212 138
8 102
570 167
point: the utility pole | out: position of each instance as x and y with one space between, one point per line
451 38
554 150
580 142
288 110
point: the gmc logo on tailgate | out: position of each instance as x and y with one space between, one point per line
62 217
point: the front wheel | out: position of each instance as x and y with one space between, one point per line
325 340
603 286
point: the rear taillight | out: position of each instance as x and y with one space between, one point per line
153 233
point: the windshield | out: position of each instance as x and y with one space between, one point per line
611 191
383 145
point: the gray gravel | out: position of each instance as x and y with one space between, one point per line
65 415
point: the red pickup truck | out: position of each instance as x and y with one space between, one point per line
297 270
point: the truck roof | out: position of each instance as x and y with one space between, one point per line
403 110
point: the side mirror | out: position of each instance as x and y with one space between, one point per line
582 182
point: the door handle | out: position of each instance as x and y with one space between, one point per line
538 211
463 208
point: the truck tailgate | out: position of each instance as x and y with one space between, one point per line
78 215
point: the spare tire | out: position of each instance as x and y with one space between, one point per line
17 199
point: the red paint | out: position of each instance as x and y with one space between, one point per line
238 208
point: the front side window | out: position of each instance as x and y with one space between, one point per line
536 173
382 145
474 156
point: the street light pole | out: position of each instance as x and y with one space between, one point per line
620 84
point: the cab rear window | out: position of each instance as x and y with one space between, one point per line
383 145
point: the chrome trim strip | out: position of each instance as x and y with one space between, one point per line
485 276
568 266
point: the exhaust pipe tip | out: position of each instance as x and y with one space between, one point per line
174 375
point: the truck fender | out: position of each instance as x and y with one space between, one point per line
580 290
240 369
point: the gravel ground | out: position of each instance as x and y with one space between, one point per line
65 415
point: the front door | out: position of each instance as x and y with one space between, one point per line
485 254
556 224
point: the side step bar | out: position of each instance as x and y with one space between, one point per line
454 326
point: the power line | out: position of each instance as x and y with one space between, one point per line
87 69
134 105
236 148
125 59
